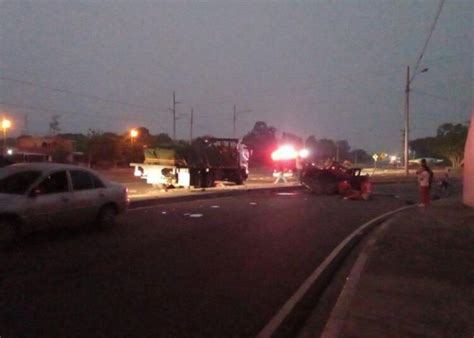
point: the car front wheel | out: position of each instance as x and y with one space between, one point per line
106 217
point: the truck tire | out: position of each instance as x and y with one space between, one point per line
205 180
209 179
239 179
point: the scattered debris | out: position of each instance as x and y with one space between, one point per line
195 215
164 212
215 206
253 203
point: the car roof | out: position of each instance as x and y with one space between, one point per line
41 166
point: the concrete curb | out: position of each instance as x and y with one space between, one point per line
292 314
336 320
146 202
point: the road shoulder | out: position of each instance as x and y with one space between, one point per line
413 280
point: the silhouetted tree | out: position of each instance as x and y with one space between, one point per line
360 156
161 139
448 143
80 140
326 149
54 128
342 150
262 141
104 149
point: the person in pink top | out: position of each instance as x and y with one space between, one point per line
425 178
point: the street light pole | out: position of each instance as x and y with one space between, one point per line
133 135
407 115
407 123
5 125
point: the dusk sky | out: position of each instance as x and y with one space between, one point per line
333 69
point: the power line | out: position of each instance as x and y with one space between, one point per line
440 7
69 92
444 98
76 114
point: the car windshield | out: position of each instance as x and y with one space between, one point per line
18 183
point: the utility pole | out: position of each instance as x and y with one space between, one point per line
234 120
26 125
403 147
191 127
174 116
173 111
407 123
407 115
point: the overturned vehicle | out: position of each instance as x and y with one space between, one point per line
335 178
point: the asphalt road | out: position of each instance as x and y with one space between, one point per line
209 268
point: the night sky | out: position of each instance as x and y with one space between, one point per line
331 69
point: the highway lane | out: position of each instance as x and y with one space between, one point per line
209 268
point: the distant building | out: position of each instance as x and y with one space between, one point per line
48 148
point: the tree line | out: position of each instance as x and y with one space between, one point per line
447 144
262 140
102 149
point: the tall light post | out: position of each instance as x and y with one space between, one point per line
133 135
5 125
407 115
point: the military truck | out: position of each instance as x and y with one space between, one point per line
199 164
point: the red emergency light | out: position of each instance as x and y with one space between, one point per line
285 153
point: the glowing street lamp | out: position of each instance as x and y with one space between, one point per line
5 125
133 135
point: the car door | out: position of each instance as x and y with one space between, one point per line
49 202
87 195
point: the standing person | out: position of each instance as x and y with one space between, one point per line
299 168
425 177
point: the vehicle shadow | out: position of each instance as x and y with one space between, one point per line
44 238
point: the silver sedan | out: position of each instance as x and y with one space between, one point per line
35 196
